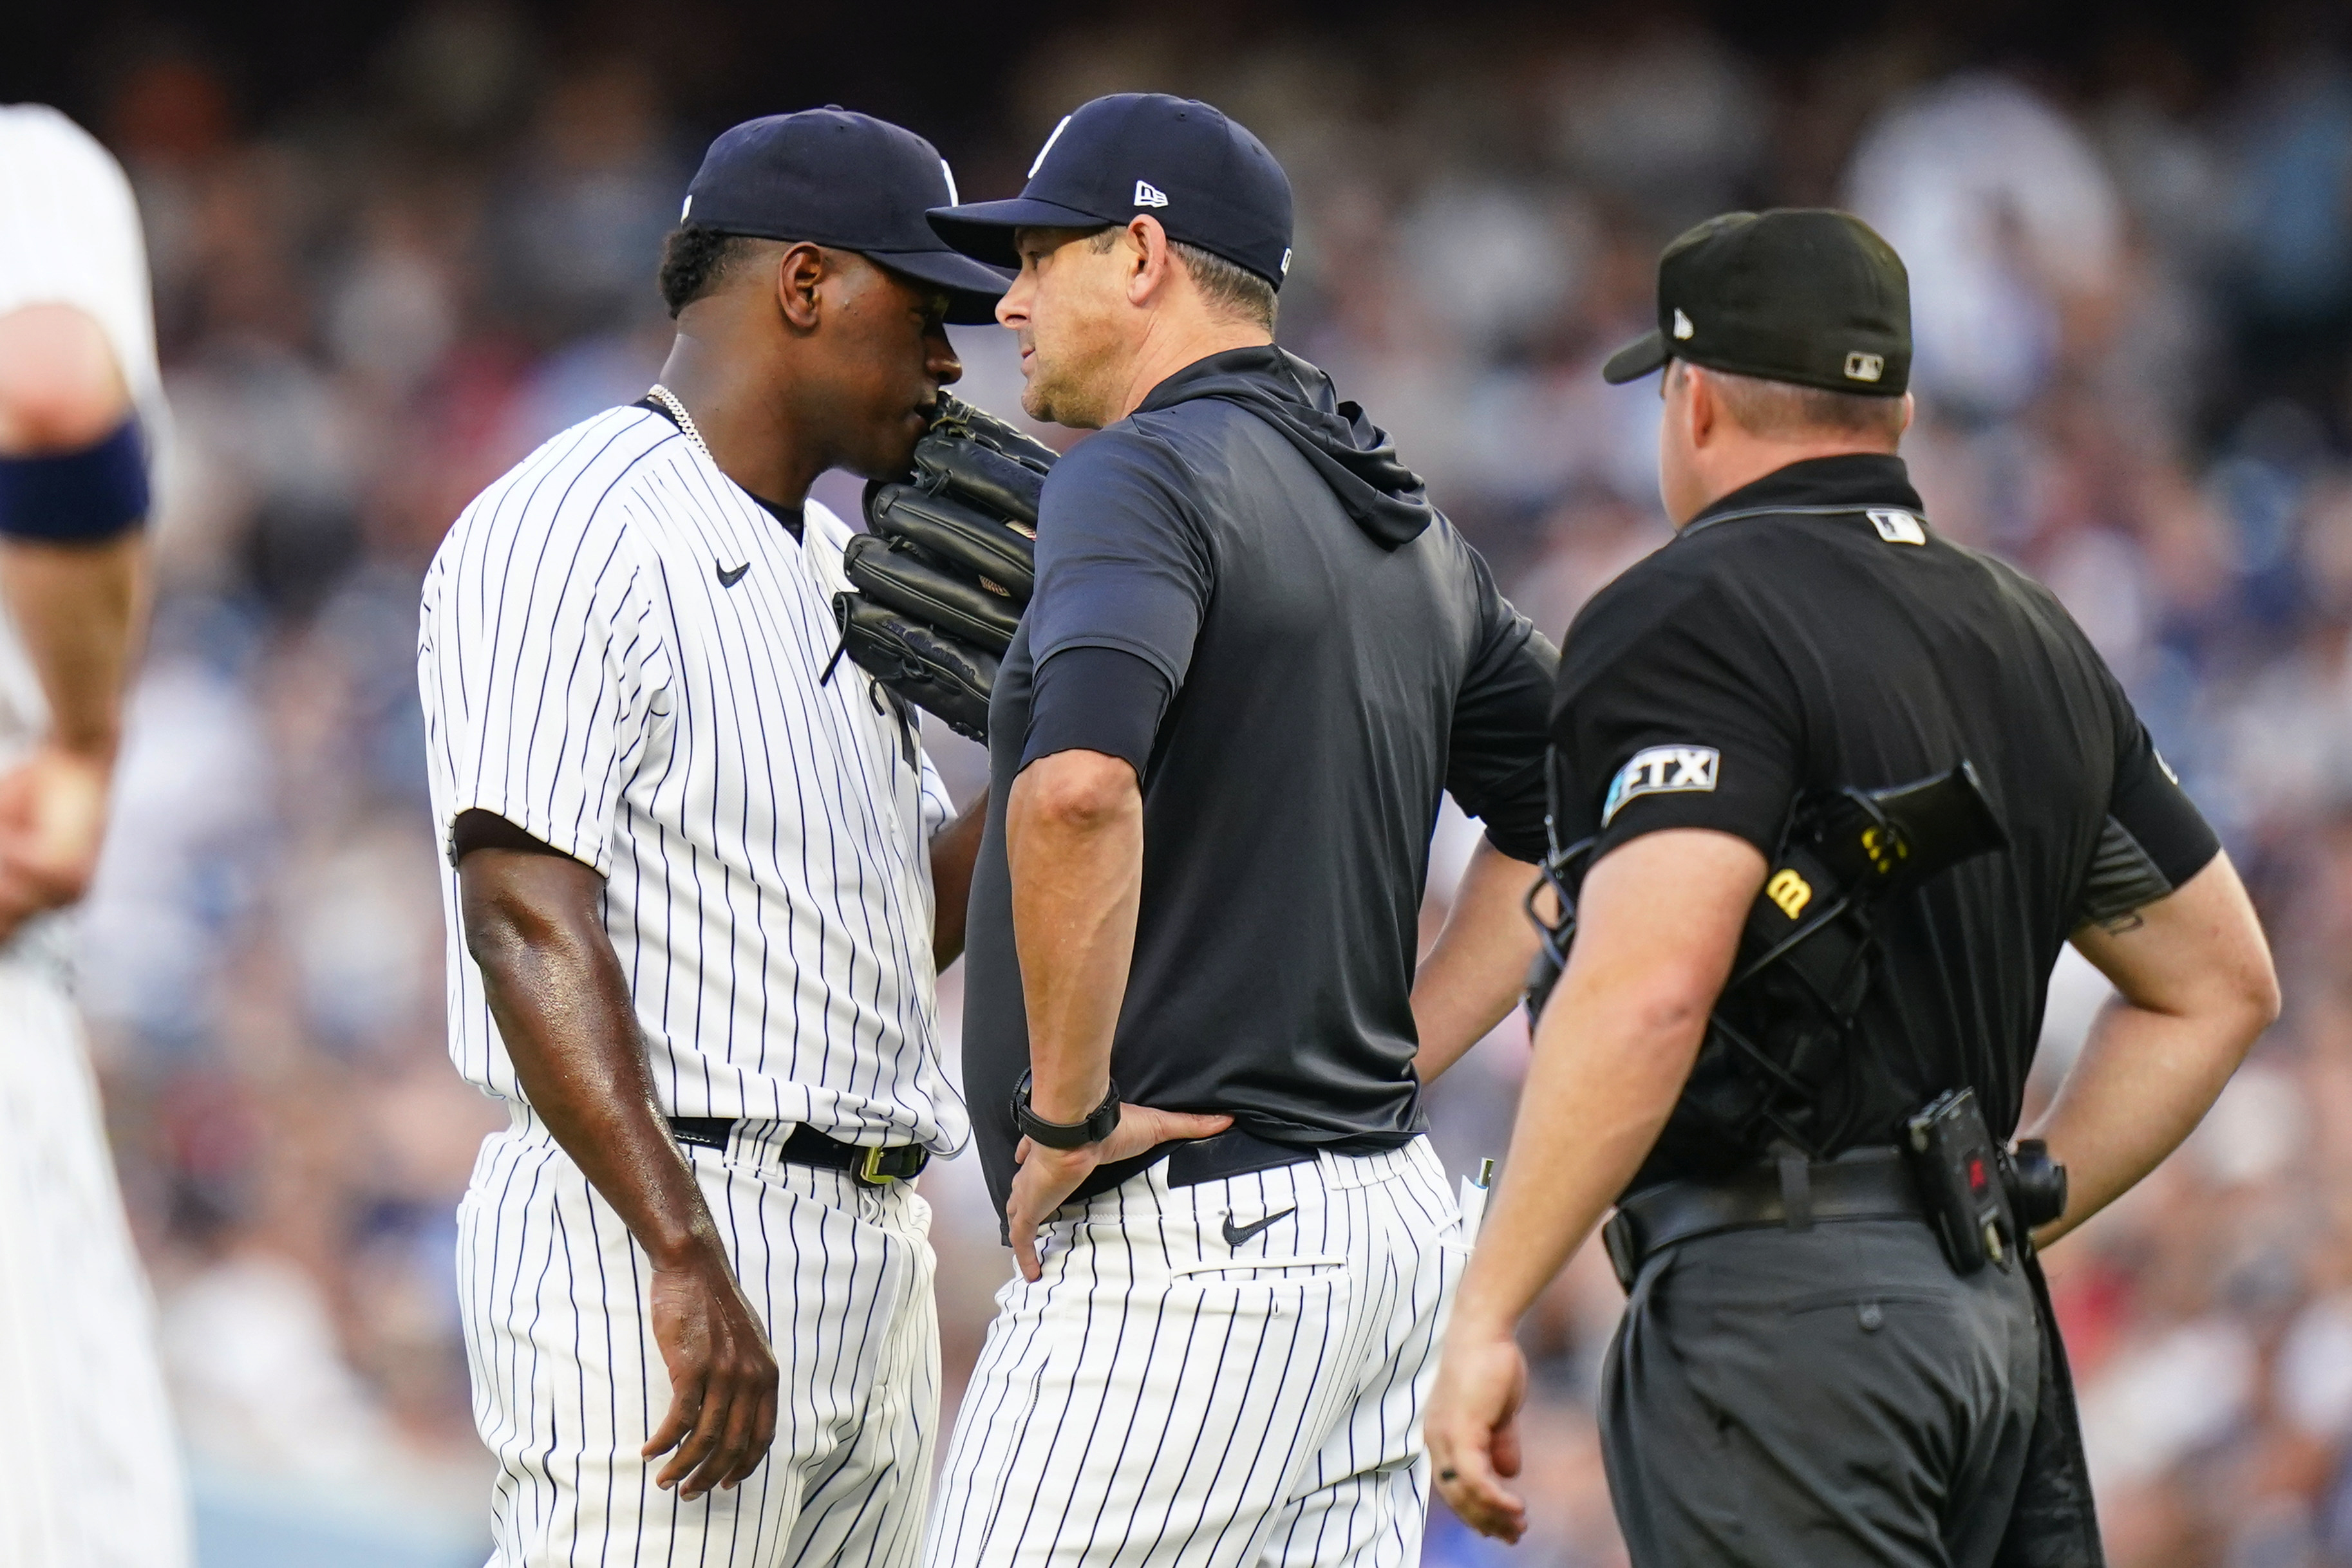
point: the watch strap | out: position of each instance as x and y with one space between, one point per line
1099 1123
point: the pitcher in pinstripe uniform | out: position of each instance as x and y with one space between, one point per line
1256 657
697 897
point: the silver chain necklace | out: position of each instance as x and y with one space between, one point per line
685 420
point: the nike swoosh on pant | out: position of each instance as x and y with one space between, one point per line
1235 1235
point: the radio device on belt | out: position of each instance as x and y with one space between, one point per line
1789 1012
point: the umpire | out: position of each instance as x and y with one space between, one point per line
1837 1350
1256 657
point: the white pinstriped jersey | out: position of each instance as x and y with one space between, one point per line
597 671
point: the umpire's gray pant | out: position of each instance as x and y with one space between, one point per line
1835 1397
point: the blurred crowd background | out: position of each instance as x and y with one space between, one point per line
396 246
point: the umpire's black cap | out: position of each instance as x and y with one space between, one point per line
1208 181
1804 295
834 177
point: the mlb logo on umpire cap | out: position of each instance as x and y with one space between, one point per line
1213 184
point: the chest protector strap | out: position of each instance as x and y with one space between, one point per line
1808 956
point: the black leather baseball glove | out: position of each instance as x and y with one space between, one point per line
946 565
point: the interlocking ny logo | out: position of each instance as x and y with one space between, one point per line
1148 194
1662 770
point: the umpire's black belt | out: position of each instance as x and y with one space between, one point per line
1865 1184
868 1165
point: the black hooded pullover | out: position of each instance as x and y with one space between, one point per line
1331 656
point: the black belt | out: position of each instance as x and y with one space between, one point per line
1865 1184
867 1165
1231 1152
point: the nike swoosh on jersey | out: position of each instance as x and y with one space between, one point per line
1237 1234
729 578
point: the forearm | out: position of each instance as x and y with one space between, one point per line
76 609
1611 1052
2196 988
954 850
1474 975
1074 839
2143 1081
1605 1077
561 1005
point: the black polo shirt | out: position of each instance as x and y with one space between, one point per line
1332 657
1812 630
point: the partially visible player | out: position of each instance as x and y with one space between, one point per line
89 1473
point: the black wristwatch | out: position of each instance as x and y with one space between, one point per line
1064 1134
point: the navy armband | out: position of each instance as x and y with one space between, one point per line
78 498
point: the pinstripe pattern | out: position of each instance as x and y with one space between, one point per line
568 1381
90 1471
590 674
586 676
1161 1399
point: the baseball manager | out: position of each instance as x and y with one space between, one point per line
1256 657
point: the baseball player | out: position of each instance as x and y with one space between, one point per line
89 1475
1253 658
697 892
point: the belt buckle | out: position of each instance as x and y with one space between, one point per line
870 1171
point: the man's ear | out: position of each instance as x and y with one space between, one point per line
1700 408
799 272
1149 263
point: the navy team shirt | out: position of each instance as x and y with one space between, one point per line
1243 592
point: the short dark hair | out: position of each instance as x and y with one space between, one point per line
694 260
1777 409
1228 287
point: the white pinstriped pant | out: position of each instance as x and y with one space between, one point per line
89 1465
568 1382
1163 1399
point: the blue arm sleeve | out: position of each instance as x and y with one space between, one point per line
1097 699
77 497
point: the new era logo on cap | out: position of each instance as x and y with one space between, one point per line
1213 184
1683 328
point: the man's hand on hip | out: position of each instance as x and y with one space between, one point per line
722 1378
1046 1177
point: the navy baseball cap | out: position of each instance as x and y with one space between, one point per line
1208 181
833 177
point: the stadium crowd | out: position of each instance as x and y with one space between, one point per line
2132 277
